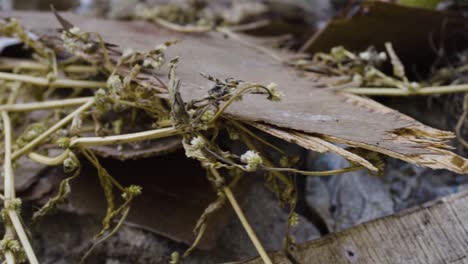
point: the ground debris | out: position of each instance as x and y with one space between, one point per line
193 109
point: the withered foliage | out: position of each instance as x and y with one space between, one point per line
78 93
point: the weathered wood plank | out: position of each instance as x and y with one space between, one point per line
435 232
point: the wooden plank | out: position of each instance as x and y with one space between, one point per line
436 232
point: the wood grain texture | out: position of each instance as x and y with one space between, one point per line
306 108
436 232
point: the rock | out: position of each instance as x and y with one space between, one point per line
353 198
347 199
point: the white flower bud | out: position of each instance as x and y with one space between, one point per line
74 30
383 56
252 159
275 95
365 55
128 52
197 142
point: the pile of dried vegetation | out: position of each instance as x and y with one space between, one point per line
84 92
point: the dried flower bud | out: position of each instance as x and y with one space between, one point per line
15 204
9 244
414 86
75 30
155 61
233 134
71 163
131 191
114 83
383 56
294 219
252 159
103 104
128 52
70 40
63 142
284 162
275 95
175 258
207 116
197 143
365 55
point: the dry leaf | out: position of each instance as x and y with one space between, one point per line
336 117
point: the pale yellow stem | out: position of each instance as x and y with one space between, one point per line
49 161
9 190
245 223
44 105
377 91
23 237
126 138
52 129
58 83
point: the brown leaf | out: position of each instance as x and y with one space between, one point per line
352 120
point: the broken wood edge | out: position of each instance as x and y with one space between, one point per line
376 107
436 159
431 139
313 143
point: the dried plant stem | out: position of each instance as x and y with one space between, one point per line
461 122
198 238
104 51
240 126
265 50
245 223
317 173
125 138
200 29
52 129
165 123
278 175
9 190
23 237
44 105
248 26
378 91
59 83
13 64
80 69
10 258
49 161
234 97
7 64
181 28
111 233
